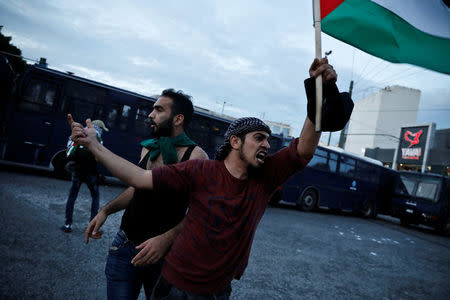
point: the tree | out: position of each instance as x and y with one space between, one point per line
17 63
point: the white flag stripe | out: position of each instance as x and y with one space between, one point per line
430 16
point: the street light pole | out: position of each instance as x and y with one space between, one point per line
327 53
343 136
223 106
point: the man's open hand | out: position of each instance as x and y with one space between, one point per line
152 250
93 230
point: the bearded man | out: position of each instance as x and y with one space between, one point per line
228 195
148 228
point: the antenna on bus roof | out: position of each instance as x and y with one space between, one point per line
42 62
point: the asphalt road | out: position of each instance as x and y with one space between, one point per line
295 255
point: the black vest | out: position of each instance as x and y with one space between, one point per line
150 213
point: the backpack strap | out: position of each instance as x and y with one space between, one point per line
188 153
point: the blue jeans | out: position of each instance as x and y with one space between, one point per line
166 291
92 182
124 281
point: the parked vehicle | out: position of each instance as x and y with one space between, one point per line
34 131
338 180
421 198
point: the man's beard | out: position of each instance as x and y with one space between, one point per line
242 157
163 129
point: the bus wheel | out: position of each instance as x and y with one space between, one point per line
275 199
404 221
309 200
368 210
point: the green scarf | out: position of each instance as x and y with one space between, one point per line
166 146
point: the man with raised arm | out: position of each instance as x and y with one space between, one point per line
228 195
149 223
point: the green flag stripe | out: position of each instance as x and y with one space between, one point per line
378 31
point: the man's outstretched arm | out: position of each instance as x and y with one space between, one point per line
119 167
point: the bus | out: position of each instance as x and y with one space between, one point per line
35 130
422 198
340 181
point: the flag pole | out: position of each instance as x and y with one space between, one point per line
317 29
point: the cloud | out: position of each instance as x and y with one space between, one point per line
24 42
234 63
23 8
145 62
297 41
137 85
252 54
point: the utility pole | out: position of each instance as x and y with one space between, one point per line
223 106
329 135
343 136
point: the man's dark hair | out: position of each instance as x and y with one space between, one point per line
223 150
239 127
182 104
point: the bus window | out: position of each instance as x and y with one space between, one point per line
39 96
82 101
365 171
319 160
347 166
49 97
427 190
117 116
405 186
142 120
332 162
111 118
81 110
124 117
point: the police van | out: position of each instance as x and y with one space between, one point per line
422 198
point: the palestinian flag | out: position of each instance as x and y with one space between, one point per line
400 31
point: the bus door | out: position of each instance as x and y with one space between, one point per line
349 184
31 122
322 176
368 181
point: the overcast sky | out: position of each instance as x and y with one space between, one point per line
254 55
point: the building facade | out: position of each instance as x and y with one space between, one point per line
279 128
438 160
376 120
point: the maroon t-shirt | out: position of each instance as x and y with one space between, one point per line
224 212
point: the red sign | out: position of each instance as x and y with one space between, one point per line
415 137
412 144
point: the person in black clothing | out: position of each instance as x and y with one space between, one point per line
149 228
84 169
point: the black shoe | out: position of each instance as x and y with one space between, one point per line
67 228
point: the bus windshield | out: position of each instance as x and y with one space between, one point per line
422 187
406 185
427 189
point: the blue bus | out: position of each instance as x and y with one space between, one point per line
421 198
340 181
35 130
